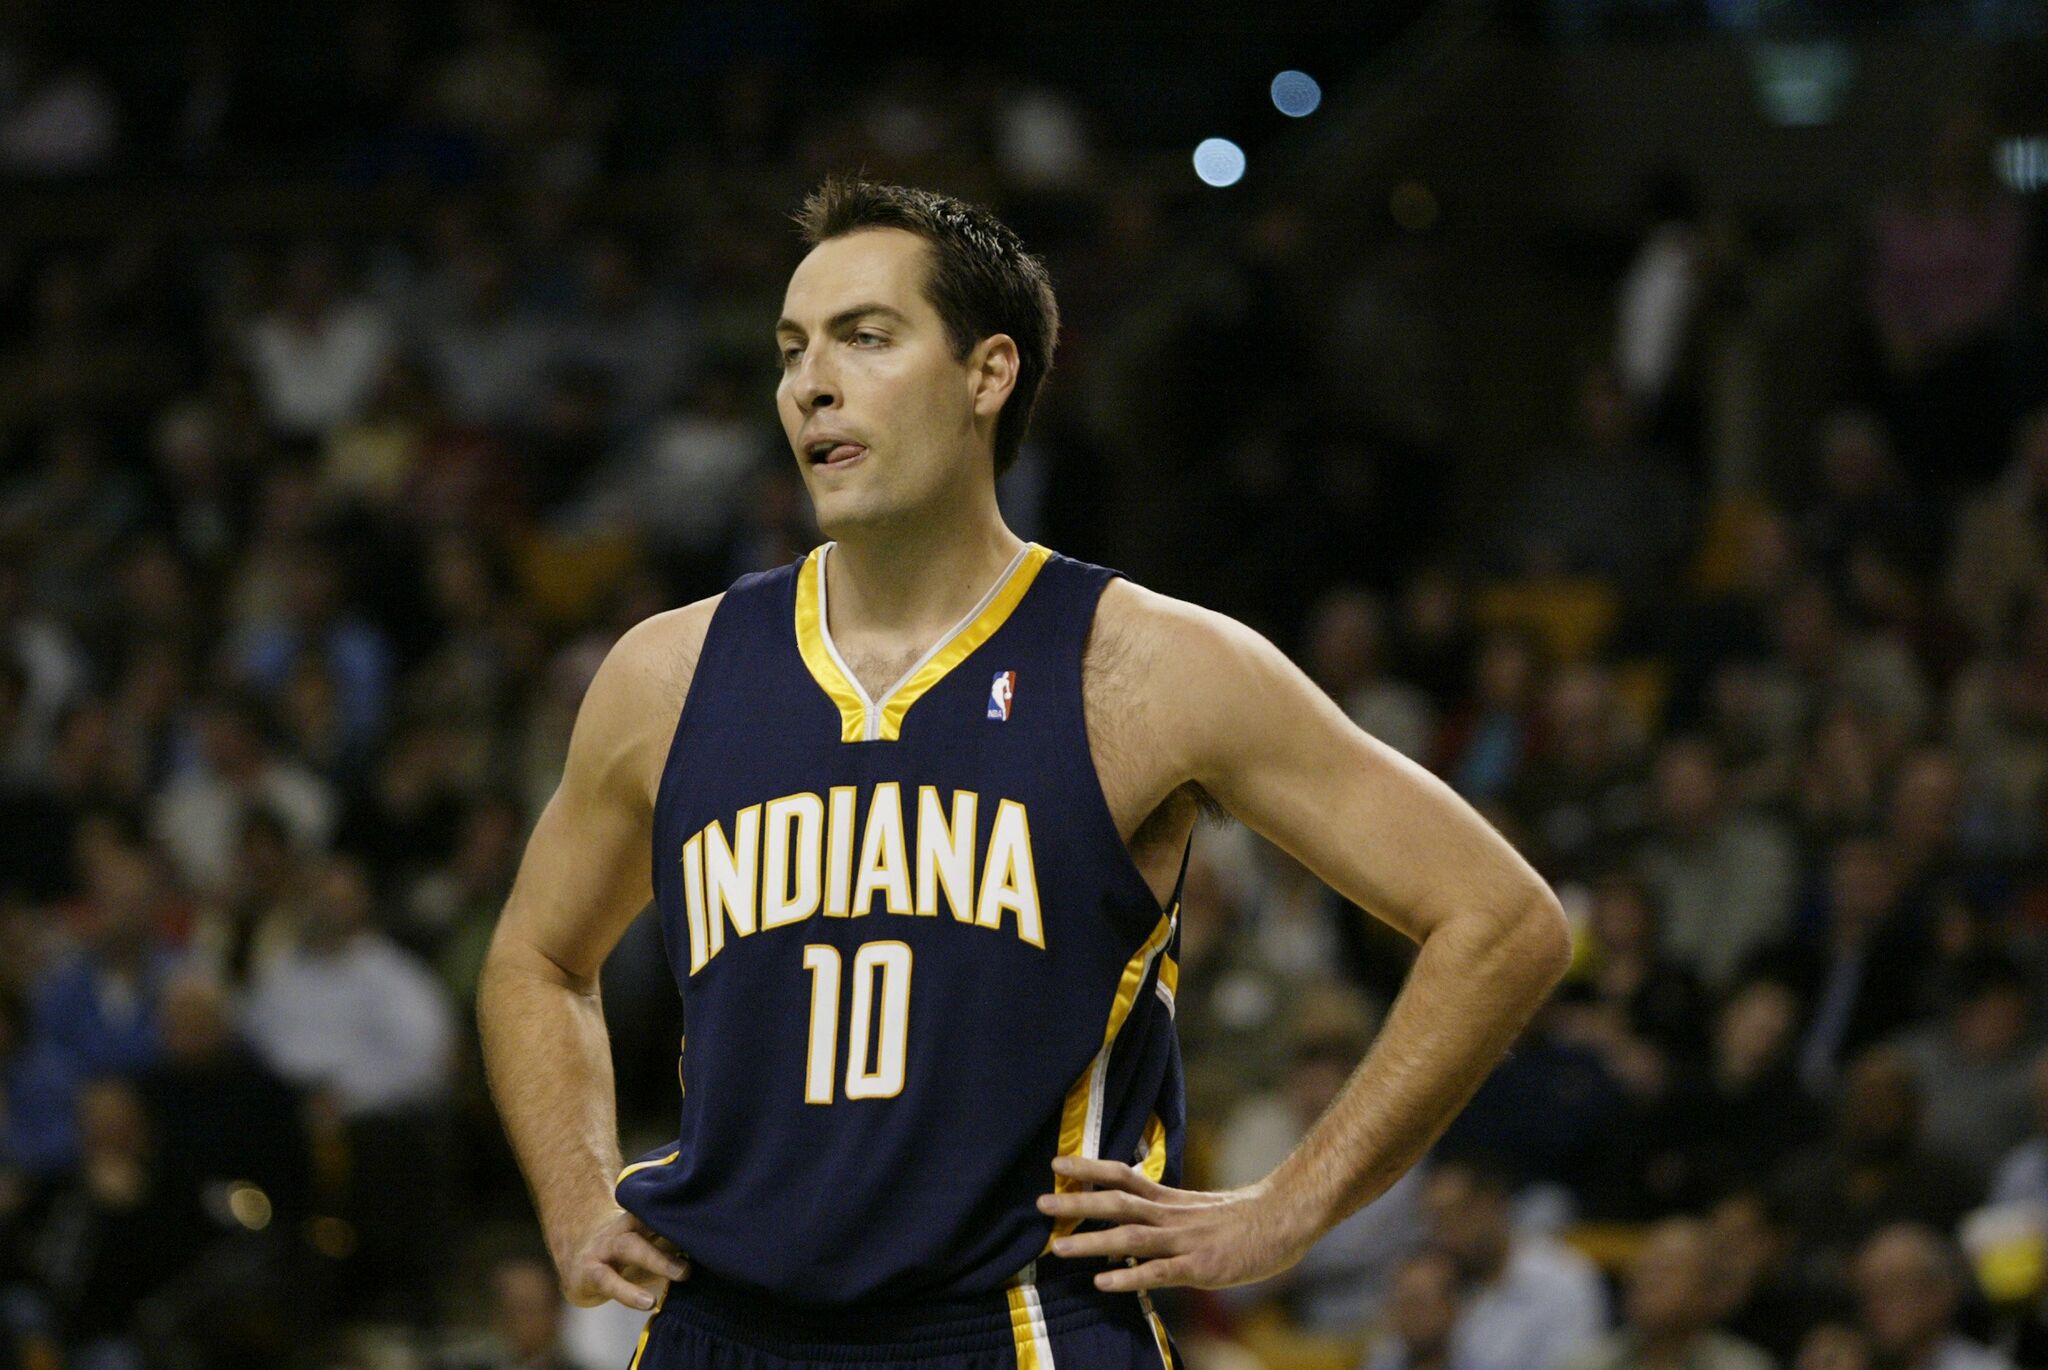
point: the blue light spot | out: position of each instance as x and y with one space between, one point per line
1219 162
1296 94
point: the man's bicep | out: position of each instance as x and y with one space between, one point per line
1273 749
581 883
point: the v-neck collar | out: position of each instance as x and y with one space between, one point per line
862 719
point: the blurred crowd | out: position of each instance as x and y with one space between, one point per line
311 536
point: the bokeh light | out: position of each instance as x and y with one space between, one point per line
1219 162
1296 94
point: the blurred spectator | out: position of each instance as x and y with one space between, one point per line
1228 1003
1340 1285
1872 1172
1722 878
1626 999
1671 1308
1738 1113
1581 795
1859 976
1529 1301
453 910
682 483
316 355
351 1016
1659 296
222 1118
315 631
2000 557
110 1234
1765 1300
1483 745
2022 1175
1423 1316
48 670
1836 1346
38 1123
1861 498
1346 655
526 1322
1557 1109
1607 506
100 1011
349 1012
63 120
1973 1068
625 332
1945 265
200 814
488 352
1910 1281
1822 661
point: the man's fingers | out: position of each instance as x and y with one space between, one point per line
633 1249
1148 1275
1114 1174
1101 1203
1118 1242
619 1289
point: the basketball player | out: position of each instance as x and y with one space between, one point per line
914 811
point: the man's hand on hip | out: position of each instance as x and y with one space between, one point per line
625 1261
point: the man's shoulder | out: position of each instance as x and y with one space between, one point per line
1142 636
652 662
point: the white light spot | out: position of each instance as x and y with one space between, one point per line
2023 164
1219 162
1296 94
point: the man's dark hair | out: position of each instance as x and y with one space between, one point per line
982 281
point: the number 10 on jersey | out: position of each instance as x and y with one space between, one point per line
878 1022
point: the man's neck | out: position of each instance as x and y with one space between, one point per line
912 581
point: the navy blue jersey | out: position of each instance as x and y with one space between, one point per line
916 958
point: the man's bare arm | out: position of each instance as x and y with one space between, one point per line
583 879
1252 730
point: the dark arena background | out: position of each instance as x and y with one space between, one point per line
1634 410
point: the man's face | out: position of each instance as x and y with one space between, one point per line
877 409
1467 1219
1906 1299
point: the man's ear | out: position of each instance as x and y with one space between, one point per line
992 372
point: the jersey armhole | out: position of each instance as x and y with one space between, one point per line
1097 800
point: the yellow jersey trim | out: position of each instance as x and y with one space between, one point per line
862 719
978 630
1028 1334
1154 1164
819 658
645 1165
640 1347
1158 1329
1081 1114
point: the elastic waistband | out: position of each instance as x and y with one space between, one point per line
1049 1297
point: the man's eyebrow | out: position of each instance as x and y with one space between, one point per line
845 317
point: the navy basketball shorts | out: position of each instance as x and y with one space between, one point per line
1040 1322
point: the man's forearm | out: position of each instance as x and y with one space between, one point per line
549 1064
1473 987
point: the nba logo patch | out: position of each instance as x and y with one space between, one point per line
1000 692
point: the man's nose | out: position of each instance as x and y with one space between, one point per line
816 387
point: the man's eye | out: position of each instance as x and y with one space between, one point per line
867 337
790 355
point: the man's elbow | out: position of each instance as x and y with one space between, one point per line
1541 934
1521 938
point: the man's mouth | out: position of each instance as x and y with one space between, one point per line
832 453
